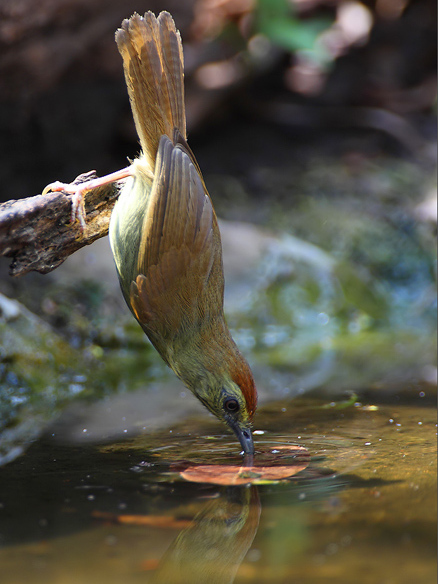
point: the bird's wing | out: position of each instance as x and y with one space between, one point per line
180 277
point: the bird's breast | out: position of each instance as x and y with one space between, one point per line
126 224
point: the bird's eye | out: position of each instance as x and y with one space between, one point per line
231 405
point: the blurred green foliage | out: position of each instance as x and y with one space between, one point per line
278 21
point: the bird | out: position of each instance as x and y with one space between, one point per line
164 232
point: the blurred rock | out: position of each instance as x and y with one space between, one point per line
427 210
37 377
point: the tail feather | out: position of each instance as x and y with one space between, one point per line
153 63
172 54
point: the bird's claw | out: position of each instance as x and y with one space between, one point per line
76 192
82 184
78 208
55 187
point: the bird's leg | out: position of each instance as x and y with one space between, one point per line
77 191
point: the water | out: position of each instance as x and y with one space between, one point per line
362 510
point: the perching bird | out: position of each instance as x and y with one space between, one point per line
164 233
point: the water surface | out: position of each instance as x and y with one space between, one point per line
363 510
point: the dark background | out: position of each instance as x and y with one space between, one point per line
64 108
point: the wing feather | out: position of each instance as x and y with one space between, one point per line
179 250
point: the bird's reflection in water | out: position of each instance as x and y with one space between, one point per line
212 549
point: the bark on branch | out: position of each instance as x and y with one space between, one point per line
37 232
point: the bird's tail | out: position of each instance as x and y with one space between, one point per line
154 70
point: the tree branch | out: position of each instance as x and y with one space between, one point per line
38 234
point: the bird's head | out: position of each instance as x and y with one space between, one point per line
230 394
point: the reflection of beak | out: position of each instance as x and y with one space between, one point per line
244 436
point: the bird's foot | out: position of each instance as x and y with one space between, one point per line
80 186
76 190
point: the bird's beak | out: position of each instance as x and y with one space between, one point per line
244 436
